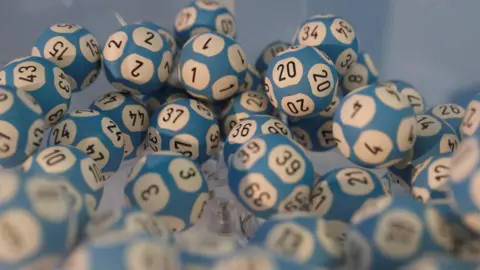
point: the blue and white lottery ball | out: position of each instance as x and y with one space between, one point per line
431 178
158 98
72 48
451 113
465 182
439 261
434 137
44 81
250 127
393 231
374 127
185 126
471 120
21 126
301 81
341 192
401 175
303 237
212 66
94 134
136 58
271 174
84 180
242 106
203 16
253 80
315 133
413 95
120 251
363 73
268 53
131 115
37 223
170 185
167 34
130 220
334 36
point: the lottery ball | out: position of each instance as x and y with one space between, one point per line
392 231
271 174
301 81
203 249
464 183
439 261
167 94
102 141
129 220
252 81
250 127
120 251
137 57
378 123
431 177
363 73
37 224
242 106
304 238
167 34
413 95
170 185
185 126
21 126
341 192
315 133
202 16
212 66
85 182
44 81
131 116
72 48
434 137
471 120
453 114
401 175
332 35
268 53
256 258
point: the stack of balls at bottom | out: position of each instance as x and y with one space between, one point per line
184 98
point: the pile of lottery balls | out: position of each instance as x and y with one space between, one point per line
182 98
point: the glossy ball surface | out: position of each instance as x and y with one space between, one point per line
301 81
185 126
333 35
471 120
170 185
202 16
268 53
341 192
305 238
38 225
271 174
137 59
167 34
253 80
74 49
374 127
241 106
363 73
212 66
410 92
431 177
21 126
44 81
132 117
451 113
85 182
102 141
250 127
392 231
